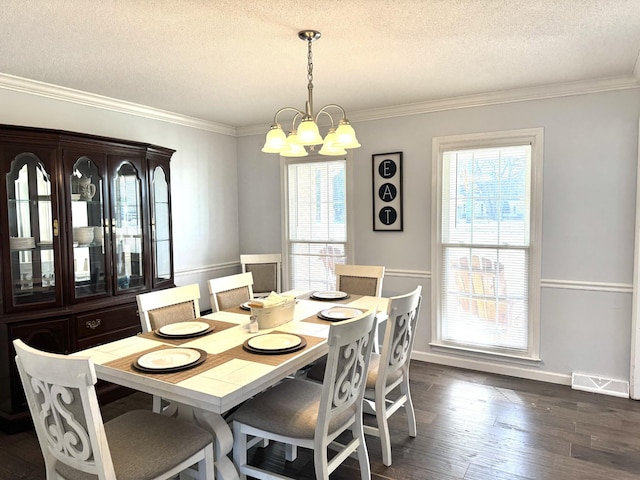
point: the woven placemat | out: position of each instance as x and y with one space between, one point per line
218 326
237 310
275 360
316 319
126 364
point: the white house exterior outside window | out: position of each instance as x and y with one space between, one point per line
486 243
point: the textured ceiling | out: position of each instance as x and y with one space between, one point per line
236 62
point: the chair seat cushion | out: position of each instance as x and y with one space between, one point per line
143 445
372 375
316 372
290 409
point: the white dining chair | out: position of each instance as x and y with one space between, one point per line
360 279
230 291
161 307
387 387
305 414
75 442
266 269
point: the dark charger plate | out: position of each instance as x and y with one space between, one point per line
199 361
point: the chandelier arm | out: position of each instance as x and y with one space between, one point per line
327 114
284 109
331 105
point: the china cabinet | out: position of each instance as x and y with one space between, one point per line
85 227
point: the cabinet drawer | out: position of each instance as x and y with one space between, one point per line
104 321
107 337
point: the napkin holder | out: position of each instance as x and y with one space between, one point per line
274 316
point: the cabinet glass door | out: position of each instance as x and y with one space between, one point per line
127 227
161 226
87 206
31 231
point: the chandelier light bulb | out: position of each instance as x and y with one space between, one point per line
329 147
276 140
346 135
308 133
293 147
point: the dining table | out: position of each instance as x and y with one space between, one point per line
227 373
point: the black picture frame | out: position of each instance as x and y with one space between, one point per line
387 192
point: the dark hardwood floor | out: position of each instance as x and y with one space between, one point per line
471 426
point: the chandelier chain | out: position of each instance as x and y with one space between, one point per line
309 63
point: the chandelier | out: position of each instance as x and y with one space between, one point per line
307 133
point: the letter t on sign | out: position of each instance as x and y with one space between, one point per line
387 192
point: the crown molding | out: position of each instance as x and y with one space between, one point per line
484 99
34 87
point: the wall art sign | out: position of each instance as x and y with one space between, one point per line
387 192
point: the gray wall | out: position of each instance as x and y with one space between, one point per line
590 158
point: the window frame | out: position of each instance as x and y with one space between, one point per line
534 136
284 202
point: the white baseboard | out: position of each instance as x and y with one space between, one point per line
596 384
483 366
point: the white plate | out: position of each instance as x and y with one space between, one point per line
340 313
183 328
330 295
245 306
169 358
274 341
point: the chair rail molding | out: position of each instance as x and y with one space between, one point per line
207 268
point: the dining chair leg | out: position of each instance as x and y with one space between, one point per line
408 407
239 449
202 466
363 454
383 429
321 461
290 452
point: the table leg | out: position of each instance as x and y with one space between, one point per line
213 422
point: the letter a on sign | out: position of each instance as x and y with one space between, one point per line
387 192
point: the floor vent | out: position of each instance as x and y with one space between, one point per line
607 386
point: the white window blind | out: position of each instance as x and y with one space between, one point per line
485 248
317 222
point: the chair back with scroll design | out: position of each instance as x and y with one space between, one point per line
390 369
161 307
314 415
75 442
360 279
266 271
230 291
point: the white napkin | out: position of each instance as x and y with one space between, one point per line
272 300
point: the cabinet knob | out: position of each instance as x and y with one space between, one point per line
93 324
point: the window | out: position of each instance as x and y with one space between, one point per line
486 250
316 228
